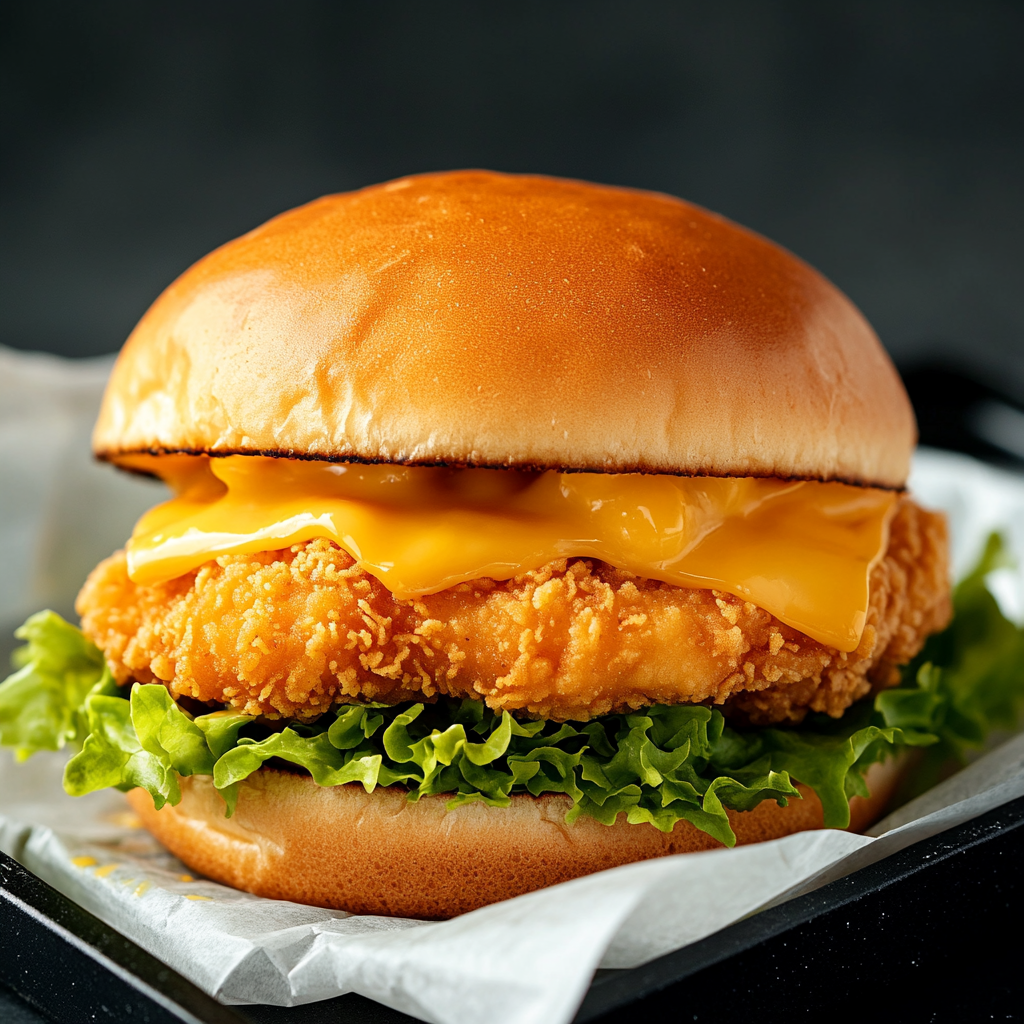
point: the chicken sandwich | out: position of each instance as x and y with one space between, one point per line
522 528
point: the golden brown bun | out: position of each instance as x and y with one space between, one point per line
497 320
376 853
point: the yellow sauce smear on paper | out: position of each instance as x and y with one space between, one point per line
801 550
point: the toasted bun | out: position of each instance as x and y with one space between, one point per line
483 319
377 853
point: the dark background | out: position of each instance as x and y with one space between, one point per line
883 142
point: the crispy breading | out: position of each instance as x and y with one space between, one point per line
289 633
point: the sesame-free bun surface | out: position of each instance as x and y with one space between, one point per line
377 853
499 320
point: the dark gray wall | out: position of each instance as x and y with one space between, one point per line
883 142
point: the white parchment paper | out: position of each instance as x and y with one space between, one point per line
526 960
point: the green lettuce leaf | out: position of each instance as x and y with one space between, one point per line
969 679
659 765
41 704
146 741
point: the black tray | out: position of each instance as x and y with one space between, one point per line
943 944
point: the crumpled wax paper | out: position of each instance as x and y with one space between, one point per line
526 960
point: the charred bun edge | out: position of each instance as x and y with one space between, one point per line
107 455
377 853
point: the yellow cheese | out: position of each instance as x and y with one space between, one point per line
801 550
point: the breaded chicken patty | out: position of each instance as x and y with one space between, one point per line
289 633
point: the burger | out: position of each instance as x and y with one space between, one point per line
521 528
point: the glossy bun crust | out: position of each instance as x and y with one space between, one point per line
343 848
473 318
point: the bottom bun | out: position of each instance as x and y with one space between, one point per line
377 853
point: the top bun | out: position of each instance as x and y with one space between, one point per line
483 319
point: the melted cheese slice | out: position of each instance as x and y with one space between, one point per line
801 550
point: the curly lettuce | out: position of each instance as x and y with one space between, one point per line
968 681
42 703
659 765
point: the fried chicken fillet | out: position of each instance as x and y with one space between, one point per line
289 633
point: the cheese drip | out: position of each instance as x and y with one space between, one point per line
801 550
